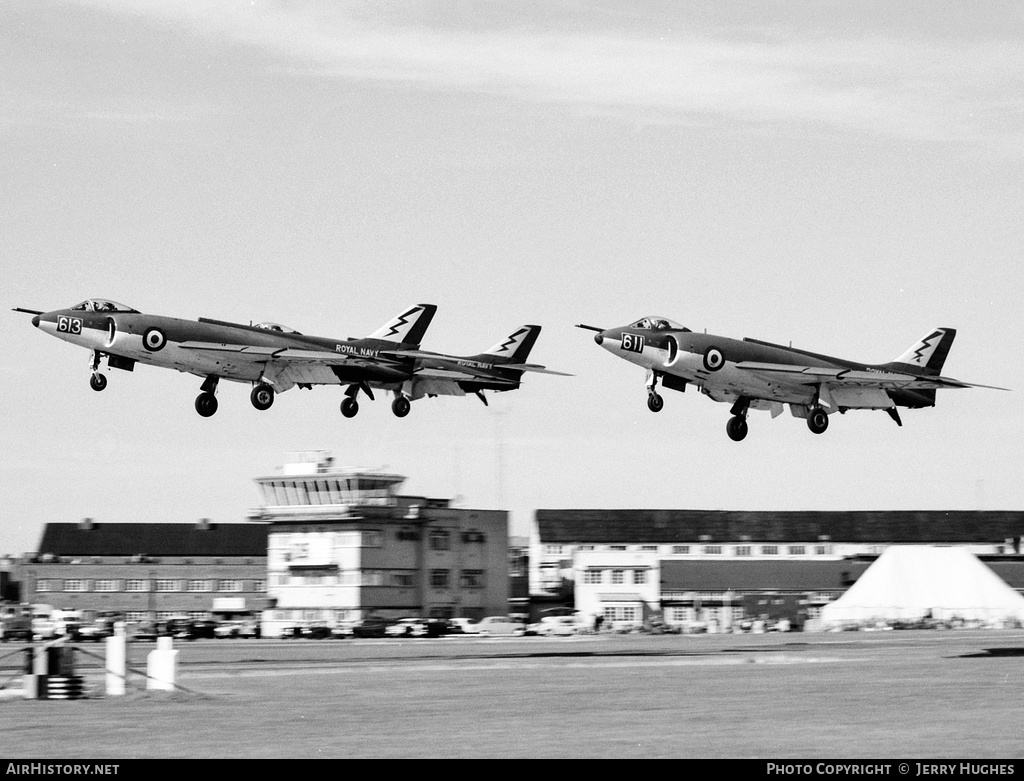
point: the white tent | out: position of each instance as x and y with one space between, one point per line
922 581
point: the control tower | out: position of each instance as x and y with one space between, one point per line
344 544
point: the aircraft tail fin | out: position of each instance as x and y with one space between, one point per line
515 347
408 327
929 353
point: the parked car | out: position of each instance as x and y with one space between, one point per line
316 631
556 626
463 626
145 631
407 627
370 627
15 627
226 630
342 631
500 625
250 629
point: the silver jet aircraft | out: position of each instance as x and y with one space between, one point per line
751 374
500 368
271 357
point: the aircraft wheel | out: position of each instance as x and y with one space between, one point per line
98 382
817 420
349 407
401 406
206 404
262 396
654 402
736 428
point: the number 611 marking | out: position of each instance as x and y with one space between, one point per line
69 325
633 343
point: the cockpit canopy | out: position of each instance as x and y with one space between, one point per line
658 324
102 305
283 329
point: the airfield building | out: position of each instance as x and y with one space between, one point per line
344 544
148 571
719 567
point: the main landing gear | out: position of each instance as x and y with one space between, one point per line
817 420
262 397
401 406
206 402
737 428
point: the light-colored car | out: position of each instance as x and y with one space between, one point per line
407 627
500 625
560 626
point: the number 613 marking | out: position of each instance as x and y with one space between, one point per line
69 325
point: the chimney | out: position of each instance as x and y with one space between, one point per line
86 525
203 525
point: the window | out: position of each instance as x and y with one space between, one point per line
198 585
713 549
617 613
823 550
402 579
439 578
74 585
259 586
797 550
649 547
168 585
106 585
136 585
552 550
440 539
616 547
639 576
743 550
618 576
585 547
769 550
679 549
593 576
471 578
229 585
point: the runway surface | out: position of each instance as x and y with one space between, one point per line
898 695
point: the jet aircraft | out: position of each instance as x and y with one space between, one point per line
499 368
270 356
752 374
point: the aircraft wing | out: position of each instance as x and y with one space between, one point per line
460 376
840 377
533 367
519 367
283 354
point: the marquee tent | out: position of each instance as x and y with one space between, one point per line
926 581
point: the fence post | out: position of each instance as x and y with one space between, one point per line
117 661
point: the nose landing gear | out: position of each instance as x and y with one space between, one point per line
98 382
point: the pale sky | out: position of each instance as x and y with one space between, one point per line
841 176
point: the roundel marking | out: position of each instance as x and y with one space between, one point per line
713 359
154 339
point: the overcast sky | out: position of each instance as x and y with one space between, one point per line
842 176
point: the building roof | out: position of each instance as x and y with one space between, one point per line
688 526
154 539
760 575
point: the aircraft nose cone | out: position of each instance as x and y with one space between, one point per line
599 337
35 321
